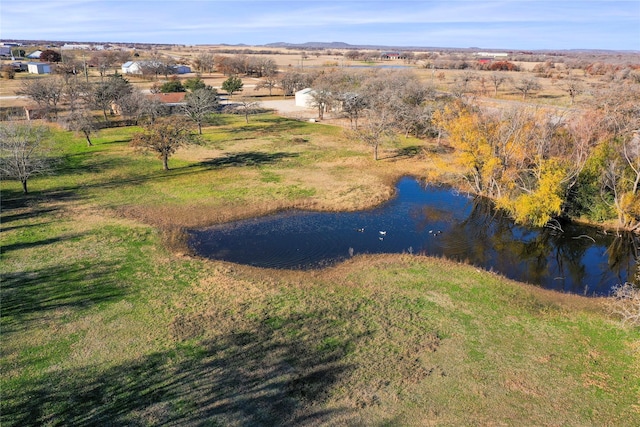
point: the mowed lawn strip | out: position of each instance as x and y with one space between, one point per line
103 323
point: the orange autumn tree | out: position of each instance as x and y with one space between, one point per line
511 157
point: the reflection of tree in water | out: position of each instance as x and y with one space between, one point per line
477 233
623 258
559 259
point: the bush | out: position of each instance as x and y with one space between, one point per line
194 84
173 85
503 66
625 302
8 72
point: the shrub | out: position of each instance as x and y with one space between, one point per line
625 302
8 72
173 85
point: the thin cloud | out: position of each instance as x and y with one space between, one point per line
526 24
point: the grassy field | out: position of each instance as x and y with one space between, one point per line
106 320
552 90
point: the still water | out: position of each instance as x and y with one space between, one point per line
428 220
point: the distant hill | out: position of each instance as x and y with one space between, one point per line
342 45
337 45
314 45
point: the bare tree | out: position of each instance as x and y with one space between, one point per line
292 81
526 85
106 93
247 106
76 93
321 99
164 137
353 105
204 62
70 67
81 122
497 80
269 81
46 92
158 64
260 66
199 104
103 60
22 153
377 128
462 84
573 86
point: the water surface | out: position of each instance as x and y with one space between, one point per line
433 221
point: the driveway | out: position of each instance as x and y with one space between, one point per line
287 107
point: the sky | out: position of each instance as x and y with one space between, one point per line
507 24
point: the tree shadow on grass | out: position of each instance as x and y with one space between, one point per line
89 163
16 206
9 216
251 158
31 295
253 377
27 245
22 227
409 152
267 125
115 141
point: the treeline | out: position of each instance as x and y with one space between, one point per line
541 164
537 163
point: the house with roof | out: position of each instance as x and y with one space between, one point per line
135 67
392 55
35 55
131 67
171 99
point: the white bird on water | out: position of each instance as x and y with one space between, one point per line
383 233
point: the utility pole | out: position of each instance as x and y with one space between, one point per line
86 71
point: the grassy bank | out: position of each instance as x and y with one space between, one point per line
103 324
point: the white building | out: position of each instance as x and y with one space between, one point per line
35 55
131 67
492 54
75 47
304 97
39 68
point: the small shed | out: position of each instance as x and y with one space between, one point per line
39 68
304 97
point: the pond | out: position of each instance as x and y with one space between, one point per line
435 221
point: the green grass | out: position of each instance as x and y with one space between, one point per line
103 325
